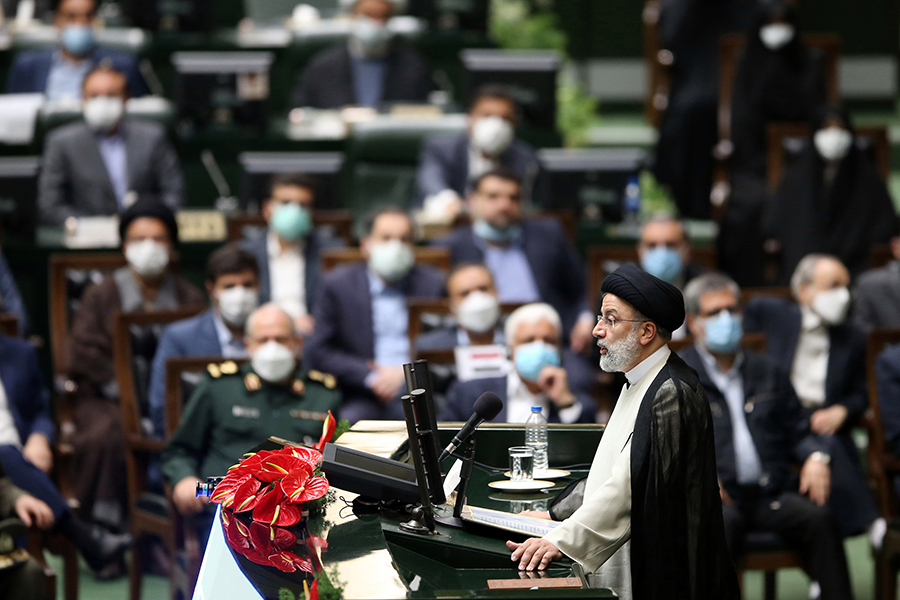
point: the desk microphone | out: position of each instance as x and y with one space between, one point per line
487 407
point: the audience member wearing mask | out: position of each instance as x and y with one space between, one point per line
826 355
232 284
58 72
449 164
232 410
876 299
531 259
474 305
362 321
761 434
778 80
288 254
96 167
831 199
370 69
534 337
664 251
149 233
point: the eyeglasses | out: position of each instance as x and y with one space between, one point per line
610 321
734 310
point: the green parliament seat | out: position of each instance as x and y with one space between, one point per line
383 156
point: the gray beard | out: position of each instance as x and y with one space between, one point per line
622 354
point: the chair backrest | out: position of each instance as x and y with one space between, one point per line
775 291
437 357
435 312
781 135
181 373
753 341
9 325
731 48
70 275
339 221
132 368
435 257
602 258
883 464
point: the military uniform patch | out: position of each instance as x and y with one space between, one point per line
252 382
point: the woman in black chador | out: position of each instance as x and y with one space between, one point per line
832 199
778 79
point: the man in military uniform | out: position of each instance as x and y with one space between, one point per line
236 408
21 577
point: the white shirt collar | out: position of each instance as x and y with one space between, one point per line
637 372
274 248
810 320
226 338
712 366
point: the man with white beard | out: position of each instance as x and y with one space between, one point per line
648 518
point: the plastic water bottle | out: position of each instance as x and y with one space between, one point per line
536 438
631 207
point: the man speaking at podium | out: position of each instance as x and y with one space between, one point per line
647 520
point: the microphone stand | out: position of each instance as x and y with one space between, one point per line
465 474
422 520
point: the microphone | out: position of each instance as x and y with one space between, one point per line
487 407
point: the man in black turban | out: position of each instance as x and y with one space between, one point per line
647 520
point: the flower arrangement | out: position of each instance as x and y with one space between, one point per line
266 499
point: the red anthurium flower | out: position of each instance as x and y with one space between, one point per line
250 464
276 466
311 456
290 562
270 540
314 591
274 508
246 496
327 432
225 491
300 487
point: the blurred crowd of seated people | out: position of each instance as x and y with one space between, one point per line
291 319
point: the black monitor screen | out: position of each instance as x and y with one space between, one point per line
18 195
257 169
592 182
369 475
530 77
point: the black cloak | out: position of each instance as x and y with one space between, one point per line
678 547
844 217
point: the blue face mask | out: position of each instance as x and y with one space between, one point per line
723 333
77 39
488 232
531 359
662 262
291 221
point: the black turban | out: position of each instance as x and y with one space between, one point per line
659 301
149 207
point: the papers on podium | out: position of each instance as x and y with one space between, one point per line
508 521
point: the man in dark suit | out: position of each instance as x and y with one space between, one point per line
371 69
97 167
58 72
531 259
826 357
876 301
289 251
534 337
449 164
232 284
26 432
761 431
361 333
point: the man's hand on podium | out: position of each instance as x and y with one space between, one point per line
534 553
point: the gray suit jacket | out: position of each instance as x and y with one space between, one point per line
74 180
877 302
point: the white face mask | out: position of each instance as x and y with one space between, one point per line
273 362
391 260
148 258
776 36
833 143
236 303
479 312
832 305
103 113
492 135
370 38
